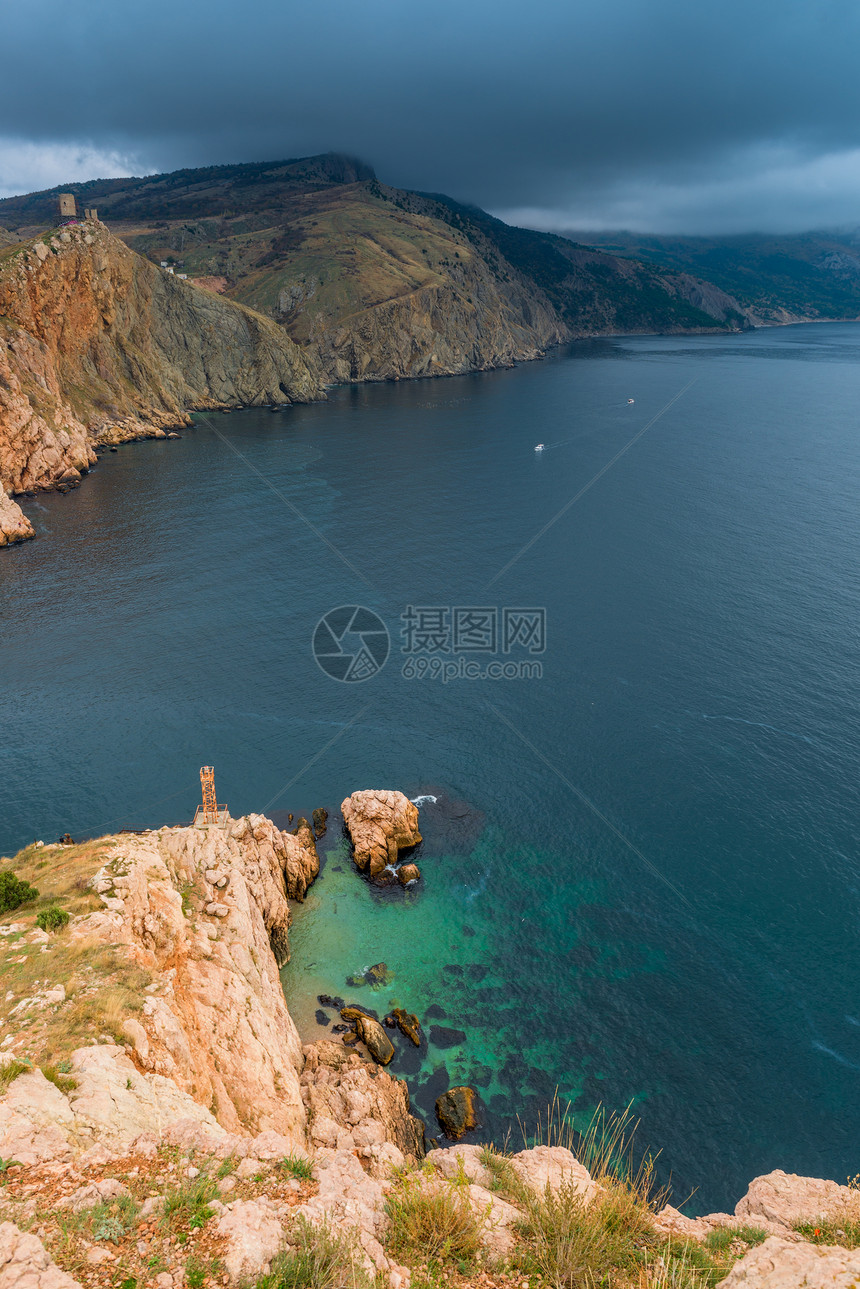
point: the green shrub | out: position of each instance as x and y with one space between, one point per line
52 919
14 892
10 1071
719 1240
611 1239
187 1205
296 1166
59 1078
321 1259
845 1232
110 1227
198 1271
574 1243
434 1223
109 1220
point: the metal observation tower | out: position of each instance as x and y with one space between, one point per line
210 812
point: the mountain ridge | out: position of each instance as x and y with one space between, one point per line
779 278
380 283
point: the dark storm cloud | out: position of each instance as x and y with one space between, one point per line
644 112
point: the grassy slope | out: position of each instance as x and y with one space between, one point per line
338 251
322 236
102 986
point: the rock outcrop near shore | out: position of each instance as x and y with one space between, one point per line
98 346
380 823
14 524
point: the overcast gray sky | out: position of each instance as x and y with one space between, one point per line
656 115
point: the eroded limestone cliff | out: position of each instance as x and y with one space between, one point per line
97 345
197 1142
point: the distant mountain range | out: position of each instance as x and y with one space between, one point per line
375 282
776 278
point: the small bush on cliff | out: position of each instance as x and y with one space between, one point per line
611 1239
10 1071
722 1238
845 1232
14 892
186 1208
52 919
60 1078
297 1167
320 1259
432 1222
576 1243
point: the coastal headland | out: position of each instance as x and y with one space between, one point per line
318 274
161 1122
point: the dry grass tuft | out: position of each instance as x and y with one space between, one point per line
432 1222
321 1258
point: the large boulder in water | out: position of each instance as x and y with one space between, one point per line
380 823
455 1110
371 1034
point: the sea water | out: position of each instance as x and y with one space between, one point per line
640 871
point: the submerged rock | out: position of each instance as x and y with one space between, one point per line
320 817
379 974
330 1000
408 1024
446 1036
455 1110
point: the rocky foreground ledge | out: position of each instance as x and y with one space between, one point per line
161 1123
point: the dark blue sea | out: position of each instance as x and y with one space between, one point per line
640 873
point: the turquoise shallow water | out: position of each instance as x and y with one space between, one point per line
640 879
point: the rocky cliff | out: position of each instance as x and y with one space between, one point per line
97 345
379 283
161 1124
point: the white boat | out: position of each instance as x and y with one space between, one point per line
540 447
630 400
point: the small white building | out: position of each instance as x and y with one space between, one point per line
182 276
164 264
170 271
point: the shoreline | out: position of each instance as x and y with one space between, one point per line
15 523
